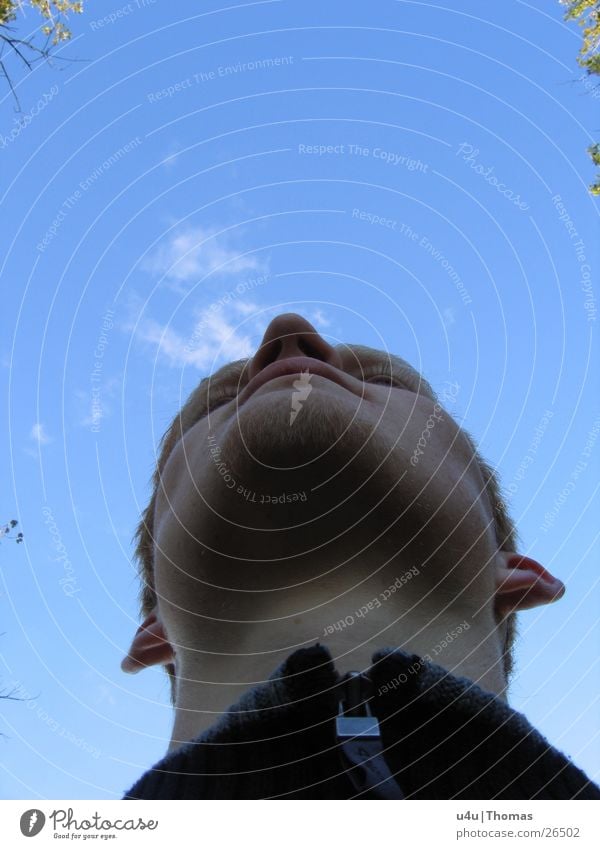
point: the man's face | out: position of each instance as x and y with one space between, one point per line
368 462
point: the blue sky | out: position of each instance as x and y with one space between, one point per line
405 175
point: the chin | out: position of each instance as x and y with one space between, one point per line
323 433
328 451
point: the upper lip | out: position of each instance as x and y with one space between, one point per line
294 365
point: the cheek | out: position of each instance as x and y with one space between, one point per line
183 469
439 468
177 576
178 512
438 461
417 427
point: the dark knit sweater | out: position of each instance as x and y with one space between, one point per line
443 738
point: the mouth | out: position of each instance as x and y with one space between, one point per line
294 365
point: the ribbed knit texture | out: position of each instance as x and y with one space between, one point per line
443 738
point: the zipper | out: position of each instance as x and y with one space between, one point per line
359 741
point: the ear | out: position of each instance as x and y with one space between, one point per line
522 582
149 646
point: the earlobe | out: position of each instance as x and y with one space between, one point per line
149 646
522 583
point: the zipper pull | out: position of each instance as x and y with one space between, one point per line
359 741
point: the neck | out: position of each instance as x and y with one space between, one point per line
353 610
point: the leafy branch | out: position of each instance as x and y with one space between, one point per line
6 531
587 14
28 51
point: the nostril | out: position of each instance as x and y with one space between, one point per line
310 350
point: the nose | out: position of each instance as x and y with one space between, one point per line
290 335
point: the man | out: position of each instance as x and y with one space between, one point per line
315 512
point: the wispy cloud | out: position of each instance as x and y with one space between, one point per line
230 328
39 435
449 316
318 319
104 695
171 157
219 334
93 407
213 339
192 253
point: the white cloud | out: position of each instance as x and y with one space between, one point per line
212 340
94 407
192 253
39 435
319 319
449 316
104 695
223 331
245 307
171 157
